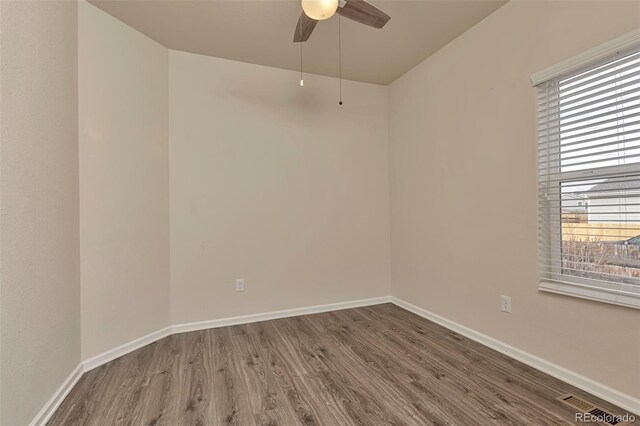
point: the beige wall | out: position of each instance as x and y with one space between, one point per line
39 249
463 188
276 184
124 187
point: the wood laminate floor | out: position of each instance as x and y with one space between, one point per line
376 365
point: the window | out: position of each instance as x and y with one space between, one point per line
589 179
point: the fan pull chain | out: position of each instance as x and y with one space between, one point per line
340 57
301 80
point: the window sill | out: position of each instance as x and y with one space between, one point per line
630 299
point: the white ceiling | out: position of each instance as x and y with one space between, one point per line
261 32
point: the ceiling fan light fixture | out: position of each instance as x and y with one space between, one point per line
319 9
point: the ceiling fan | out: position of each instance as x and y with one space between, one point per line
318 10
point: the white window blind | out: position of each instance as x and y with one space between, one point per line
589 180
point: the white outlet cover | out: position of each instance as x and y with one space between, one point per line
240 284
505 304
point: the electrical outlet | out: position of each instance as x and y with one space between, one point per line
505 303
240 284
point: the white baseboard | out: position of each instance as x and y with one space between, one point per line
246 319
111 354
54 402
622 400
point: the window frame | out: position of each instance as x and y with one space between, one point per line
554 281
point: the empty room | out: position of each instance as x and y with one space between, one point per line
319 212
